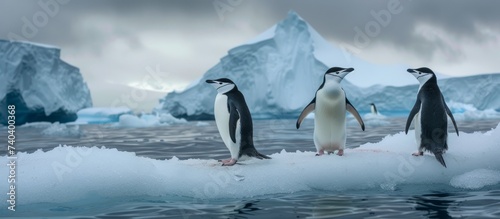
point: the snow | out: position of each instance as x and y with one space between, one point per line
147 120
476 179
101 115
34 76
62 130
100 173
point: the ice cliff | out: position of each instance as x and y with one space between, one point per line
40 85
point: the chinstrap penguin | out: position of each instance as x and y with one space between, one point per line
429 116
329 105
234 121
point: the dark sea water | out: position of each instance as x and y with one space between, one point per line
201 140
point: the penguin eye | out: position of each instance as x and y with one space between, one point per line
220 83
337 72
420 73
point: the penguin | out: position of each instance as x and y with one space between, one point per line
329 105
373 109
234 121
429 116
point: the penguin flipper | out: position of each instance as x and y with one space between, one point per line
234 116
413 112
448 111
355 113
309 108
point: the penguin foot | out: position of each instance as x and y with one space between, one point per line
231 162
419 153
320 152
341 152
225 160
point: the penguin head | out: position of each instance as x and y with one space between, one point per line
222 85
337 73
422 74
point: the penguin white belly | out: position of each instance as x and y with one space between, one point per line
222 120
330 119
418 129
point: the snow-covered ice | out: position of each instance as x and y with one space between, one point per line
476 179
99 172
34 77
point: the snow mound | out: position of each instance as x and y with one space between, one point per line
101 115
62 130
100 173
40 84
476 179
147 120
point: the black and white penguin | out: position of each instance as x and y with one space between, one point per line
234 121
373 109
429 116
329 106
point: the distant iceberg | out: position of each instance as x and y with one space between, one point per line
40 85
62 130
147 120
482 92
101 115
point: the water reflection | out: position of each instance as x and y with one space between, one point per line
435 205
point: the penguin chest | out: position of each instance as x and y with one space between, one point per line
330 116
221 113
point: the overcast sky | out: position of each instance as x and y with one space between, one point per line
115 42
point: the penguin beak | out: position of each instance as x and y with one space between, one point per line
349 70
210 81
410 70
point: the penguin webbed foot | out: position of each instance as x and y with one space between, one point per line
229 162
225 160
320 152
340 153
418 153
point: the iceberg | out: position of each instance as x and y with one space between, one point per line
481 92
101 115
62 130
40 85
278 72
99 173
